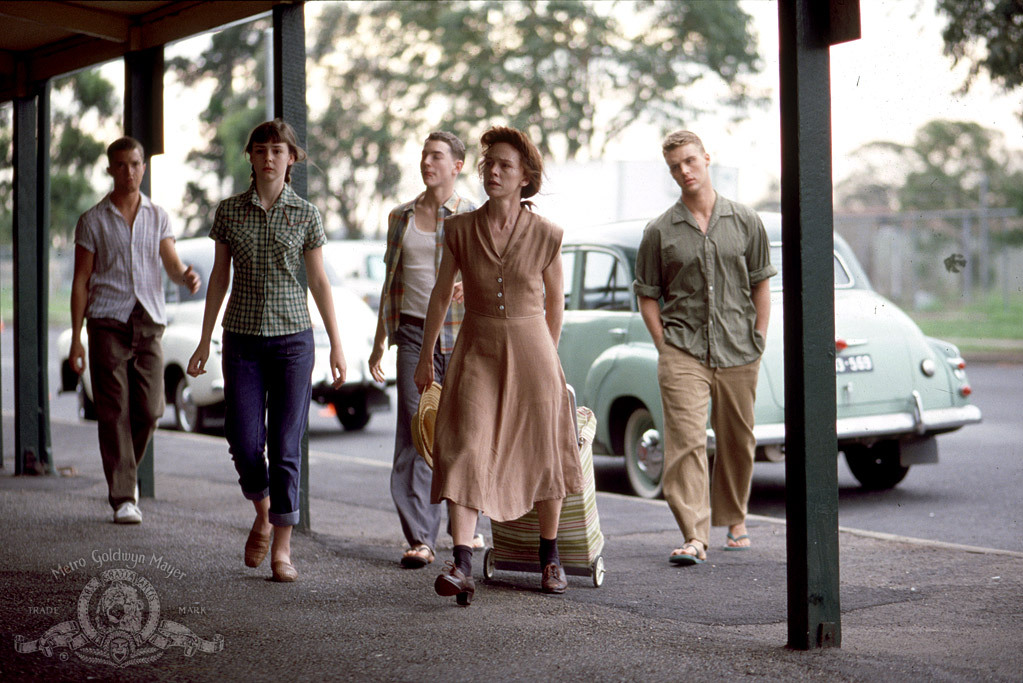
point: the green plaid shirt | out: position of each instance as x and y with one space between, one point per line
394 287
268 297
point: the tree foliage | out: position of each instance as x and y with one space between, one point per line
945 167
384 74
235 63
80 103
988 35
569 73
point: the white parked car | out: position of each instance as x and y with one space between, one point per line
358 265
198 402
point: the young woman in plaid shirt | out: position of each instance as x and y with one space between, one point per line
268 232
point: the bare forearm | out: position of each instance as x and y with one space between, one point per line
650 311
761 296
554 312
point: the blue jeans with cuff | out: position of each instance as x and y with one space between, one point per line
267 390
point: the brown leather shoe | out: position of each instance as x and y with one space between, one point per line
554 580
454 582
283 572
256 548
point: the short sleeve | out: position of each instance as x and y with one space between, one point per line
164 224
315 236
555 235
452 231
219 230
648 265
84 236
758 254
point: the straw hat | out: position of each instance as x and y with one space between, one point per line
423 422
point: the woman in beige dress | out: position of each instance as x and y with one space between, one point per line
504 437
504 434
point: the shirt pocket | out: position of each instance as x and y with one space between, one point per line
684 270
287 245
244 250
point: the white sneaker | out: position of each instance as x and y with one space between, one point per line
127 513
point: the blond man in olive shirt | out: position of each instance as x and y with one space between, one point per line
708 259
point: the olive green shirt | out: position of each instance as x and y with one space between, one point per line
705 280
268 297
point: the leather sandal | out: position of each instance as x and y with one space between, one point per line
256 548
417 556
283 572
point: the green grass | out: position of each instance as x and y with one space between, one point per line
989 317
59 309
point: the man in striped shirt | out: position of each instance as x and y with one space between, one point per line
415 241
119 246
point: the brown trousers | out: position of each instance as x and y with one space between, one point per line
126 368
687 387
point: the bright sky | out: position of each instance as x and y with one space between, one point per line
884 86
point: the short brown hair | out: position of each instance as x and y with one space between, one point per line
125 144
273 132
681 138
532 160
456 145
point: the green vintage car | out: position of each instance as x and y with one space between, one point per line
896 389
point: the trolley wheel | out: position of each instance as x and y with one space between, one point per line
488 564
597 570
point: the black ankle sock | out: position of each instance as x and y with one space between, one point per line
463 559
549 551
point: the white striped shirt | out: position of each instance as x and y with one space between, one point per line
127 261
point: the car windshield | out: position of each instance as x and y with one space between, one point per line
843 280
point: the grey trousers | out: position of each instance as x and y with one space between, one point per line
411 477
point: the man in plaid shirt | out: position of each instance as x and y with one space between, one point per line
415 241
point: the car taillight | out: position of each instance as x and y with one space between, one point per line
841 345
965 390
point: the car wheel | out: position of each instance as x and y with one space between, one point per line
644 454
86 408
352 417
876 467
187 416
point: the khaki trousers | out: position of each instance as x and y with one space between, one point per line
126 367
688 388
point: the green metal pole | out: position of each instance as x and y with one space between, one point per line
811 471
289 88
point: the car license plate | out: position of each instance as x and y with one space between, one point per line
858 363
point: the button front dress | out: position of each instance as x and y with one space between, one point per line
505 435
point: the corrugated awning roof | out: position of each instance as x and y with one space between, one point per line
43 39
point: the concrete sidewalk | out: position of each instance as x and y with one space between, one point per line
910 610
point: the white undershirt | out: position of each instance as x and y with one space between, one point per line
419 272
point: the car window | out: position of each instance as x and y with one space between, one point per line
843 279
606 284
568 273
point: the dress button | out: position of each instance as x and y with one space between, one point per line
499 295
500 279
500 308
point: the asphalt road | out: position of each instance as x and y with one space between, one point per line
970 497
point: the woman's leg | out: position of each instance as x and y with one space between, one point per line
244 419
549 514
463 523
553 576
288 367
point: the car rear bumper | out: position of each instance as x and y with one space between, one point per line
910 424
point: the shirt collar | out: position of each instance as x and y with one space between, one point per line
451 205
288 196
144 202
682 214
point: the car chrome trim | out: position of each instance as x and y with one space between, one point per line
878 425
